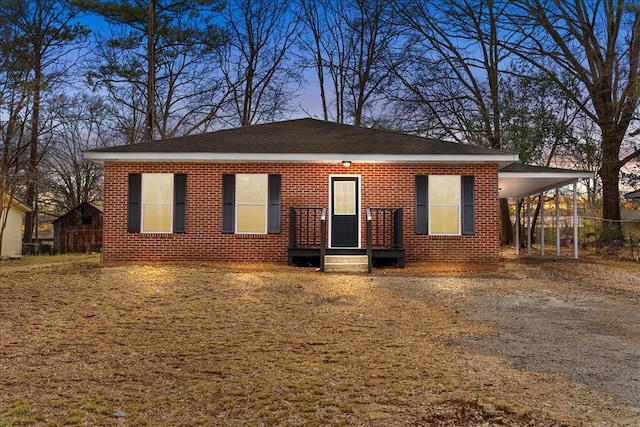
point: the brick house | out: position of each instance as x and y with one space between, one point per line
301 189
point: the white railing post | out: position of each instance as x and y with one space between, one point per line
575 220
541 201
557 222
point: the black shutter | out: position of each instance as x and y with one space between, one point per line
421 204
468 205
273 223
180 203
134 202
228 195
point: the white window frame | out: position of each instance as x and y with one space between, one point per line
265 204
431 206
144 204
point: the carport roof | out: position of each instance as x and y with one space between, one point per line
518 180
632 195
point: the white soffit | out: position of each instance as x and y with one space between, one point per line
517 185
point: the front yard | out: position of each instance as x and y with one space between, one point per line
213 344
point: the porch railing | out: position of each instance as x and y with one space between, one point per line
308 233
306 227
385 225
384 230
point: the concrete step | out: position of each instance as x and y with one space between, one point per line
346 263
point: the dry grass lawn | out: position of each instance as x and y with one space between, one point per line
210 344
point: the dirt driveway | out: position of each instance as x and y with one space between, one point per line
581 320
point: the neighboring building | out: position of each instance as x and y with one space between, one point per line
302 189
13 211
79 230
630 222
631 217
45 230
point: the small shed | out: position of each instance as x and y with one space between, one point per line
13 212
79 230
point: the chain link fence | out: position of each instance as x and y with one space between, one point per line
595 235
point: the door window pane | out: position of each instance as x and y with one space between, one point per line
344 197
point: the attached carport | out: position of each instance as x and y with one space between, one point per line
520 182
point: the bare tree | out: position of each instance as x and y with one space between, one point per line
538 119
44 35
311 14
256 63
13 144
457 64
455 72
598 44
539 122
355 43
70 180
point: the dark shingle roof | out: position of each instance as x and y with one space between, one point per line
304 136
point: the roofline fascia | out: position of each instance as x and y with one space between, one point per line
15 203
102 157
569 174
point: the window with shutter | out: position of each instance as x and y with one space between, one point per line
445 205
251 203
157 203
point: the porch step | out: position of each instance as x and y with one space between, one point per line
346 263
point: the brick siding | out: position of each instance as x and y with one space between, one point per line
382 185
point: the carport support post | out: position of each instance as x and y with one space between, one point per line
518 201
541 201
575 220
557 222
528 225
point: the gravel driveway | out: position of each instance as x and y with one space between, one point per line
578 319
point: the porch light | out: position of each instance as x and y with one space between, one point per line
346 163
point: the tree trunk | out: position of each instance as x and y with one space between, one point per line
151 70
609 174
506 228
32 168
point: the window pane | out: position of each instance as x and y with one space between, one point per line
445 220
251 203
157 218
157 188
157 202
344 197
444 189
252 219
251 189
444 204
